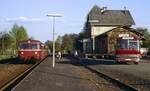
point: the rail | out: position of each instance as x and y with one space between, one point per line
8 86
116 82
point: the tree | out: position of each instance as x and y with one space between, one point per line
143 31
50 45
82 35
21 34
18 33
5 42
58 43
74 38
68 42
64 43
146 35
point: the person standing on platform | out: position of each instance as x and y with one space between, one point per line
59 55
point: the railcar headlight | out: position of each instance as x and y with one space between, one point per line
22 53
35 52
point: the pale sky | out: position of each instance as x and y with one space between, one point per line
32 14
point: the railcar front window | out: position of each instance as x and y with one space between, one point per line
127 44
33 46
133 45
24 46
122 44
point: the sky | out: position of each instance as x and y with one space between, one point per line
32 15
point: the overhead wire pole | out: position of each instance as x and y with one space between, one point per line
53 16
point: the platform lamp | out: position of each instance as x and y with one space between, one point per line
54 16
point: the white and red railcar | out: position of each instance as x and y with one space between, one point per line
32 49
128 49
121 43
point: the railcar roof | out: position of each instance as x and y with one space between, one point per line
31 40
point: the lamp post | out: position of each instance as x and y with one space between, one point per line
53 16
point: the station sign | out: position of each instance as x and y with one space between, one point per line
125 36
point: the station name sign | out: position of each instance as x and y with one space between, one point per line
125 36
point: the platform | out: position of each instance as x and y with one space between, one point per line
46 78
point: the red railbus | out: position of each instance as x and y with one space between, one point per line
32 49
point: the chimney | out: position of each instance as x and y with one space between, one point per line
125 9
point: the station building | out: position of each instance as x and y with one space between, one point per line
101 24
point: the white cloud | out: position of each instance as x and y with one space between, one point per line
25 19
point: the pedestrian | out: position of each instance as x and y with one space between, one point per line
59 55
75 53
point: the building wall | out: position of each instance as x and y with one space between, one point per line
87 45
97 30
101 44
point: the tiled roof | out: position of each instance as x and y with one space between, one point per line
110 17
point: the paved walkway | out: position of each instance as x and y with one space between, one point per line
60 78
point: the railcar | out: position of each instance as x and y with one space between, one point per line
32 49
128 49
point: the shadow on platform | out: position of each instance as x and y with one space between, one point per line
62 75
16 61
86 62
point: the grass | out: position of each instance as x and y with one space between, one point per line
5 57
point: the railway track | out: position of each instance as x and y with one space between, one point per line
13 82
116 82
